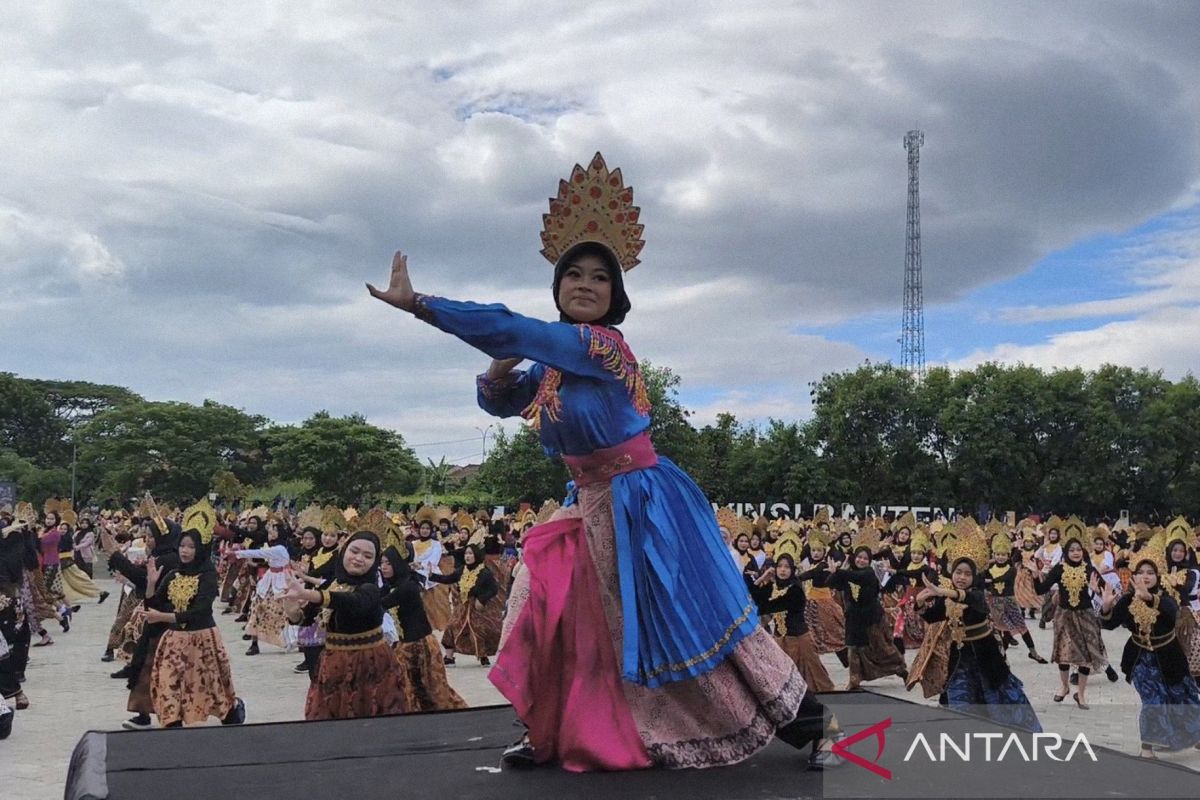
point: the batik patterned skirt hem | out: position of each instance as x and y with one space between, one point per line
1170 715
1077 639
191 679
1006 615
365 682
1005 704
426 687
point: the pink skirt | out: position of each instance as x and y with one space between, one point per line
555 630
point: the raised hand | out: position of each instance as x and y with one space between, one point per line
400 291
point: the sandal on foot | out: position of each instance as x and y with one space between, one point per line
1058 698
1082 705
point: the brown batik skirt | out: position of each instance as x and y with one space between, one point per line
1188 634
473 631
803 652
878 658
132 632
116 634
358 677
1077 639
426 687
826 622
1006 615
139 695
267 619
191 679
437 606
1025 592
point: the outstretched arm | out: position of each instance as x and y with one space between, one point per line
495 330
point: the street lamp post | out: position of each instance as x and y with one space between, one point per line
483 432
74 454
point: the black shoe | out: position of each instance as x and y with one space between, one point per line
246 637
519 755
253 651
448 661
1074 678
139 723
484 661
75 609
1110 673
1042 624
241 618
122 674
300 669
66 623
108 656
103 597
237 715
6 720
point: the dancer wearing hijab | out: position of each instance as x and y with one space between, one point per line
426 687
977 677
267 620
190 679
1077 641
77 585
1154 660
780 594
164 546
823 610
872 653
358 675
1000 580
608 663
318 566
1180 582
474 627
17 619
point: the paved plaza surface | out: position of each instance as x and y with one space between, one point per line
71 692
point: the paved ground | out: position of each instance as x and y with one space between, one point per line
71 693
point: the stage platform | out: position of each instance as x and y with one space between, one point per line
455 755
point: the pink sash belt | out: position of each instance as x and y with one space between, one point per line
603 465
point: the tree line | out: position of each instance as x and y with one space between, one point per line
1006 437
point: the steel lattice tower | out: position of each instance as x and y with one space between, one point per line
912 335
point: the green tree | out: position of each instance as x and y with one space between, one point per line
347 459
437 476
34 483
517 469
171 449
672 434
28 425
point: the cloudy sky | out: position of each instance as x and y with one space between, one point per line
192 194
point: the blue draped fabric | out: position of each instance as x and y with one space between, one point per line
685 604
967 691
1170 715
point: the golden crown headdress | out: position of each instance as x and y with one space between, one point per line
920 541
425 514
595 205
332 520
970 544
1001 544
547 511
868 536
788 543
463 519
1074 528
907 520
1154 551
1178 530
727 519
309 517
821 517
818 538
202 518
24 512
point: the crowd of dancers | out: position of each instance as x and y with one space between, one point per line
377 606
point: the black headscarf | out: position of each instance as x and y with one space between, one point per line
202 562
371 575
619 305
478 551
400 569
12 555
316 548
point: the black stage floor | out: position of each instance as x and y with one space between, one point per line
455 755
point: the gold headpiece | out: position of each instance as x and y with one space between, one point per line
920 541
727 519
821 517
350 513
332 520
744 526
970 544
907 520
463 519
547 511
818 537
149 508
309 517
945 537
444 513
425 514
1154 551
1099 532
1055 522
1001 544
595 206
868 536
526 517
995 527
202 518
24 512
1178 530
69 516
1074 528
788 543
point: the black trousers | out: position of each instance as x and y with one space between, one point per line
808 726
13 667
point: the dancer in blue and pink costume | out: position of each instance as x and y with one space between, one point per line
631 639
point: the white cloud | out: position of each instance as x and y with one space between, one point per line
202 188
